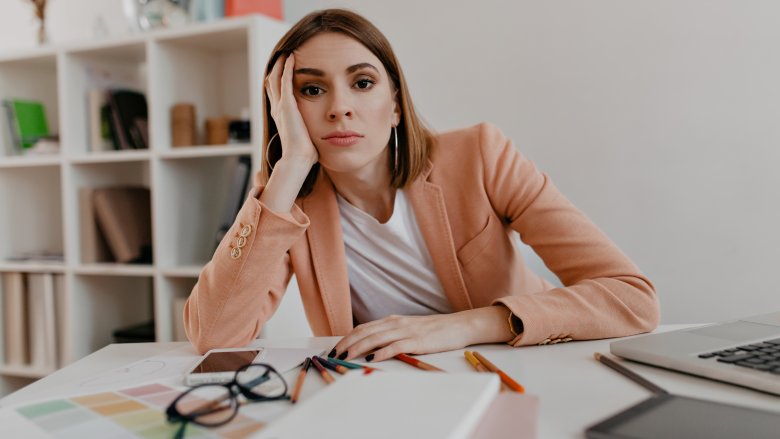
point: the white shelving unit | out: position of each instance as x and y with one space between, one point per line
218 67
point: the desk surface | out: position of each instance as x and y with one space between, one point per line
575 390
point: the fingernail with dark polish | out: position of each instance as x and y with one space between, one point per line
343 355
332 353
369 357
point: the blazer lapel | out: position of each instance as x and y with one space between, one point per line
327 252
430 211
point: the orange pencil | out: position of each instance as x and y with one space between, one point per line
325 374
299 381
514 385
474 362
417 363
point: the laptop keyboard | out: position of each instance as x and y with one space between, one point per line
764 356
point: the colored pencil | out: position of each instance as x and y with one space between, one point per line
474 362
299 381
349 365
418 363
325 374
514 385
332 366
619 368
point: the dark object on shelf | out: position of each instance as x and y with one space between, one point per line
129 118
239 131
140 333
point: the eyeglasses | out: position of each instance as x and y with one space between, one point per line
214 405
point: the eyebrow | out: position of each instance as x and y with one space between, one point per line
350 69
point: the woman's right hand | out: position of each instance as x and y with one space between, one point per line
296 143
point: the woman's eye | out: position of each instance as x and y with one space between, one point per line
364 83
311 90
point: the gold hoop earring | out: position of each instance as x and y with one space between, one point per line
267 149
395 135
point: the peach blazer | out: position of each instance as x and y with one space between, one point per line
476 190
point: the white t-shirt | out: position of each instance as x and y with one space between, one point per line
389 267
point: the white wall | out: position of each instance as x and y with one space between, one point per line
658 118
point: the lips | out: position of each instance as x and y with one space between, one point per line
343 138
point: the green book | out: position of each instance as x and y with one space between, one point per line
30 121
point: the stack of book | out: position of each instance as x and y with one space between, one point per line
118 119
29 320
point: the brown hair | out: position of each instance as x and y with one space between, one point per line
414 139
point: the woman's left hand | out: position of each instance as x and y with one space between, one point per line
394 335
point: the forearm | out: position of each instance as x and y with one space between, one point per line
487 325
286 180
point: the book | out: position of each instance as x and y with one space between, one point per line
129 117
29 121
41 321
236 193
125 219
269 8
391 405
15 319
94 247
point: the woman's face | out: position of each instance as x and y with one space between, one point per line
347 102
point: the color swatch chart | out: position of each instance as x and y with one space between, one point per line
138 412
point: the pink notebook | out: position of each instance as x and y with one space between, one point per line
511 415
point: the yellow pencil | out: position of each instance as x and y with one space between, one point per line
474 362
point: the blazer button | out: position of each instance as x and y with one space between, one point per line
235 253
246 230
241 242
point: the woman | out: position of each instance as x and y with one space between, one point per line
399 238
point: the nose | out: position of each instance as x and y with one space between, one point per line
340 106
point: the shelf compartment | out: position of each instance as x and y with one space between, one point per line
195 193
89 247
209 70
31 202
101 304
30 78
98 68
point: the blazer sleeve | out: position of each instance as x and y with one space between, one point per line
604 294
238 291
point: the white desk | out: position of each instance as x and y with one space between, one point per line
574 390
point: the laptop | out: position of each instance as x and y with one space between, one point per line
745 352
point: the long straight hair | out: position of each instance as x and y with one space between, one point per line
414 139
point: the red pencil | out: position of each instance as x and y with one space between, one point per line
417 363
